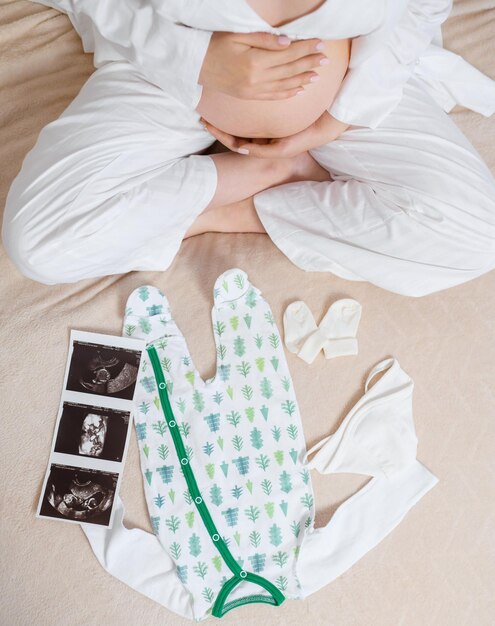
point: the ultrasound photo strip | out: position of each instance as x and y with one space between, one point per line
71 494
92 429
104 370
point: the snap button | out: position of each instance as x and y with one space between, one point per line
184 461
198 499
162 386
215 537
242 574
171 423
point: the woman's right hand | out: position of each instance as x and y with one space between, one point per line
259 66
324 130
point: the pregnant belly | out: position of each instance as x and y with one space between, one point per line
279 118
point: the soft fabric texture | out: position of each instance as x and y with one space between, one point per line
444 576
225 467
336 333
243 439
409 205
340 326
377 437
410 208
299 324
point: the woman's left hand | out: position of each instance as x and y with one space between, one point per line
325 129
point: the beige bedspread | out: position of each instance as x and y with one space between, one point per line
437 568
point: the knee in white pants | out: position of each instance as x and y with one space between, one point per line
21 257
31 256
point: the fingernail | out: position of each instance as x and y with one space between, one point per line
324 61
243 151
300 92
320 45
283 40
314 79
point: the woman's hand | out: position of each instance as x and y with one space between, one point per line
325 129
259 66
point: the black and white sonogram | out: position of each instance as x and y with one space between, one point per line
92 431
103 370
79 495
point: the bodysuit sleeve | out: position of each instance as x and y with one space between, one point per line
168 54
383 61
137 558
377 438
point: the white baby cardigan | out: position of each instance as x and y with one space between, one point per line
226 472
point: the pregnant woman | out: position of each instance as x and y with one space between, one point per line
333 117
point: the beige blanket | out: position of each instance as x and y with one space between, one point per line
436 569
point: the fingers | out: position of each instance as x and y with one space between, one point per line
289 50
280 95
300 66
269 150
264 148
297 82
287 87
300 49
266 41
290 75
295 58
233 143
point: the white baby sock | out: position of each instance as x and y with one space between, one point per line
336 333
299 323
342 321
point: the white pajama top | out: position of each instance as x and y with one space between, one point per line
392 39
409 205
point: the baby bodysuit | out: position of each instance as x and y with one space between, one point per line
226 472
222 459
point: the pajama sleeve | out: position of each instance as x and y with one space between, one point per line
167 54
382 62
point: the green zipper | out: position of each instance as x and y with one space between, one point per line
220 607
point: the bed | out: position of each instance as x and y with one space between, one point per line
436 568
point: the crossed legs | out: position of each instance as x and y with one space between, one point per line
118 181
232 209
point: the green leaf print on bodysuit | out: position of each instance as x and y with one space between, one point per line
266 388
243 435
159 501
239 346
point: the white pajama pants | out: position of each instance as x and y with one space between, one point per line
114 184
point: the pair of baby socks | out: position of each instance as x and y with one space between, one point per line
335 334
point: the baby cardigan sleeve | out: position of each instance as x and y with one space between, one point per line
167 54
383 61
